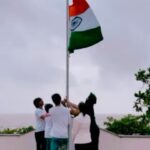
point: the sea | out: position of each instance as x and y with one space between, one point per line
24 120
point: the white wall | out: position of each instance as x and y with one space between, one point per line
23 142
110 141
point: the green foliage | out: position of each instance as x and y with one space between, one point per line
17 130
129 125
143 97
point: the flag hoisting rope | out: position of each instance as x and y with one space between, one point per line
82 30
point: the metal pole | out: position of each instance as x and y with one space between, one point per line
70 144
67 52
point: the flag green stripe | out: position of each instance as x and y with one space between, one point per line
82 39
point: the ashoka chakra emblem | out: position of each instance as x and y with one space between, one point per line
75 23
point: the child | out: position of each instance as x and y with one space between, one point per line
40 123
61 120
94 128
81 129
48 125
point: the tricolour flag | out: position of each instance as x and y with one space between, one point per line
85 30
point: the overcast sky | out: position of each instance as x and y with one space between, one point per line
33 54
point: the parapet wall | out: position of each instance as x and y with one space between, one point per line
110 141
18 142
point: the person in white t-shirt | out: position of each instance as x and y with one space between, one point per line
81 129
48 126
40 123
94 128
60 119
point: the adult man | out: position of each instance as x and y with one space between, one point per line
60 122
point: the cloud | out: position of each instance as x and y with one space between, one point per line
33 54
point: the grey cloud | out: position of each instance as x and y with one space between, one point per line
29 68
33 51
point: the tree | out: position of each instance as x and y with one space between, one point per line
143 96
131 124
128 125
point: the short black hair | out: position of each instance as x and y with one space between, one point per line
56 99
47 107
82 108
36 102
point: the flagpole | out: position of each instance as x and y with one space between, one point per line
67 69
67 52
70 146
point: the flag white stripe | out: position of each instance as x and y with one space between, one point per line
89 21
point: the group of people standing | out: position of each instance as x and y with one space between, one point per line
53 123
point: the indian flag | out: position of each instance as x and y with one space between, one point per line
85 30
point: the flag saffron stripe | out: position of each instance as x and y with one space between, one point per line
78 7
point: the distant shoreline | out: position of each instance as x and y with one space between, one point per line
22 120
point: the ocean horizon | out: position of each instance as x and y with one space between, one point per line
24 120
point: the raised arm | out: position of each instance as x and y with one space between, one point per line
74 110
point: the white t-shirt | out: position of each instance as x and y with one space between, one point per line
81 129
48 126
40 123
60 119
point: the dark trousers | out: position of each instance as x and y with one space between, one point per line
95 138
40 140
95 132
86 146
